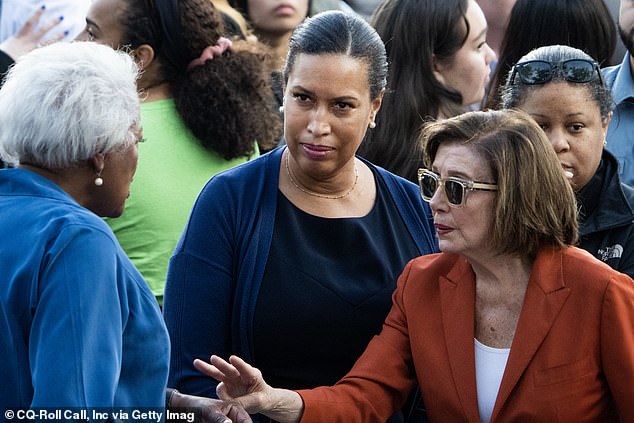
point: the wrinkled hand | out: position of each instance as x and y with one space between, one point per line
243 385
240 382
30 36
210 410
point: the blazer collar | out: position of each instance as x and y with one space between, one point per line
457 296
546 294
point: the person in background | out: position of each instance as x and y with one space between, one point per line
619 50
28 37
496 328
70 14
562 89
291 259
206 104
233 19
273 22
439 64
497 15
80 327
583 24
620 79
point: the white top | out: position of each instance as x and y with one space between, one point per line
15 12
489 365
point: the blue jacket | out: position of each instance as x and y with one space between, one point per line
620 139
80 327
215 273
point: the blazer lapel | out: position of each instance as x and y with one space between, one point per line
546 294
457 296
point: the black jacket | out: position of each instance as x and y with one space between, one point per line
606 226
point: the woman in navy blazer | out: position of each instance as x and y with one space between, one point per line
290 260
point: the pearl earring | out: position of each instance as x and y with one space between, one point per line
372 125
99 179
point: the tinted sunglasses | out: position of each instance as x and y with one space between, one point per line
456 189
535 72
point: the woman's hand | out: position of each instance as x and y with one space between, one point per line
209 410
242 384
30 36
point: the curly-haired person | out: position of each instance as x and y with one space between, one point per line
206 106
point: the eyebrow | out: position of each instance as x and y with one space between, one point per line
568 115
92 23
342 98
455 174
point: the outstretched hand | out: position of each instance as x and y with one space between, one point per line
243 385
239 381
30 36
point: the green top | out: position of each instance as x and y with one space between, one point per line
173 168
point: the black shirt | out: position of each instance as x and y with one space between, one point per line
326 290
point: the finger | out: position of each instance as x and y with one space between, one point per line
221 392
237 414
227 368
214 416
55 39
30 23
244 369
208 369
52 24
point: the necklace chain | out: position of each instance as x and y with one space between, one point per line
315 194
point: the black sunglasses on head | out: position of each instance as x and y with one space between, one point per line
535 72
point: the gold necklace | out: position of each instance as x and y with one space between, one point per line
315 194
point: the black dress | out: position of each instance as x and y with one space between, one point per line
323 298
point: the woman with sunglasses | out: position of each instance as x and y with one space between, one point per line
562 89
510 322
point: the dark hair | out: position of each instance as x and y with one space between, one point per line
227 103
583 24
513 93
535 205
335 32
414 32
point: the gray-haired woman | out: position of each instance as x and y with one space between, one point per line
80 327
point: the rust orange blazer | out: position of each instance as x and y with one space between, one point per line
571 360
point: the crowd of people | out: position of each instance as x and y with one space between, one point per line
255 210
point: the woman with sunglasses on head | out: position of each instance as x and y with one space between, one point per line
509 323
562 89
